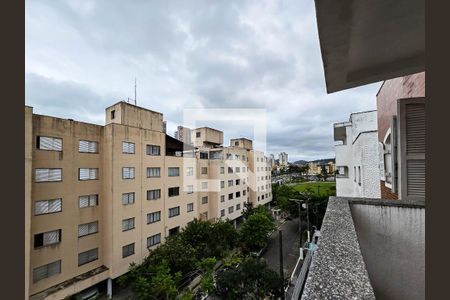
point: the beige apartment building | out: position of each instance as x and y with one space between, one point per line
99 197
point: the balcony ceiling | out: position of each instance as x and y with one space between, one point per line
365 41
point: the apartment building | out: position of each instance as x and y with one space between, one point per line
283 159
357 156
99 197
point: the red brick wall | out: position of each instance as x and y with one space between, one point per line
393 89
386 192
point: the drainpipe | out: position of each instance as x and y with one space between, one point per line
109 289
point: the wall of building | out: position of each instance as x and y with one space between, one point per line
395 234
28 202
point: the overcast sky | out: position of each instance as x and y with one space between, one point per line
82 56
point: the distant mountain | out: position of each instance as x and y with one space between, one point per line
300 162
318 161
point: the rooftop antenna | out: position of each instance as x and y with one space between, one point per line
135 102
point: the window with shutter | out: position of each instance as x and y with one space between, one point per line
88 228
128 148
87 256
174 171
87 146
412 136
127 250
127 198
88 200
88 173
153 194
48 175
46 271
49 143
47 206
128 173
127 224
153 172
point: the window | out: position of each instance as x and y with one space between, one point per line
127 250
189 171
153 194
190 207
87 229
197 134
174 211
87 147
47 238
222 212
244 192
204 170
153 150
230 182
203 155
128 148
230 209
230 170
359 175
222 198
153 172
236 143
153 240
222 170
190 189
204 185
238 181
113 114
174 171
238 169
128 198
230 196
243 169
205 200
258 198
87 173
47 206
238 194
153 217
46 271
87 201
222 184
48 143
127 224
354 174
87 256
243 157
342 172
238 206
229 156
262 197
48 175
174 191
128 173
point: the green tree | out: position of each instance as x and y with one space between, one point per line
206 265
254 231
251 279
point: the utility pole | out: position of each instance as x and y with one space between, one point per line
280 236
299 202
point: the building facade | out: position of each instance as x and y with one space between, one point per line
100 197
357 156
183 134
283 159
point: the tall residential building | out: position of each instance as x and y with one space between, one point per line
357 156
99 197
183 134
283 159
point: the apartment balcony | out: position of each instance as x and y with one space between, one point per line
369 249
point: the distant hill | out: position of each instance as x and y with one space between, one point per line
319 161
300 162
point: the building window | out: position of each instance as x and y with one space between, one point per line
238 169
236 143
174 171
48 175
128 148
198 134
128 173
222 212
153 172
229 156
203 155
230 183
154 194
48 143
127 250
47 238
222 198
230 209
244 192
190 207
87 229
230 170
43 207
262 197
87 201
258 198
87 147
238 194
238 206
204 185
359 175
230 196
354 174
127 224
153 150
87 256
222 184
189 171
205 200
153 217
174 191
190 189
174 211
46 271
113 114
222 170
128 198
342 172
153 240
204 170
238 181
88 173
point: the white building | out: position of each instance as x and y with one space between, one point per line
283 159
357 159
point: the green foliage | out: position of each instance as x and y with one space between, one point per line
233 259
254 231
252 279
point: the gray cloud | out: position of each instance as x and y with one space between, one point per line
82 56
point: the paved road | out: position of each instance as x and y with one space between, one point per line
291 248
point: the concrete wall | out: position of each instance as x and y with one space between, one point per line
28 203
392 241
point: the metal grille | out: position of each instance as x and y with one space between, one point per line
51 237
128 148
88 200
47 206
88 228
